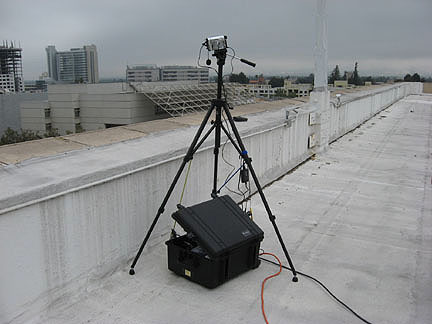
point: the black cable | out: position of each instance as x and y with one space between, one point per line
230 172
239 192
242 193
199 58
225 160
322 286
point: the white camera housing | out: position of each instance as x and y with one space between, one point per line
216 43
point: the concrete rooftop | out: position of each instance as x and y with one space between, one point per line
358 217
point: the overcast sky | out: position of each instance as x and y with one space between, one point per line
384 36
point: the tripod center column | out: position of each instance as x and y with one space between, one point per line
218 103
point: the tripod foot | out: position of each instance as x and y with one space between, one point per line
131 272
295 279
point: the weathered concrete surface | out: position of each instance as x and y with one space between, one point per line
358 217
109 136
155 126
14 153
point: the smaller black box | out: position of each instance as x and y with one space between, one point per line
221 242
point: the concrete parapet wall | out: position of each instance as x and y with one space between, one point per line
356 109
70 219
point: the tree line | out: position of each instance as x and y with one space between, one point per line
352 78
356 79
413 78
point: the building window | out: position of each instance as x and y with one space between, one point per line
77 112
48 127
47 112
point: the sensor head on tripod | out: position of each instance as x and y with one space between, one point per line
216 43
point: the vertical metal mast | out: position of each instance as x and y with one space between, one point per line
320 48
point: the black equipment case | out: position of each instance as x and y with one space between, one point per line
221 242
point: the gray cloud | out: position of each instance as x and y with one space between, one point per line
386 36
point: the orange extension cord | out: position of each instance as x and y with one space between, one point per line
264 281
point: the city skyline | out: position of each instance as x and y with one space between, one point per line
385 38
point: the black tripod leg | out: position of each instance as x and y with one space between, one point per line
243 153
218 124
192 148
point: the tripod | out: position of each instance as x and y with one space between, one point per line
217 104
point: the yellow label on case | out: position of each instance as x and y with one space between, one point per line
188 273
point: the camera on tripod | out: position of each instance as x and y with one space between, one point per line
216 43
221 241
219 45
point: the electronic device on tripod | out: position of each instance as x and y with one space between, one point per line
221 240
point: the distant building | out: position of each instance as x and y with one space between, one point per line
260 80
52 62
65 67
340 83
152 73
78 65
297 89
261 90
184 73
143 73
11 73
40 85
36 86
72 108
7 83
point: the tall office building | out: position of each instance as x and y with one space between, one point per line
78 65
11 73
65 67
52 62
92 63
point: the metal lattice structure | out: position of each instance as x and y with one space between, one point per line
180 98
